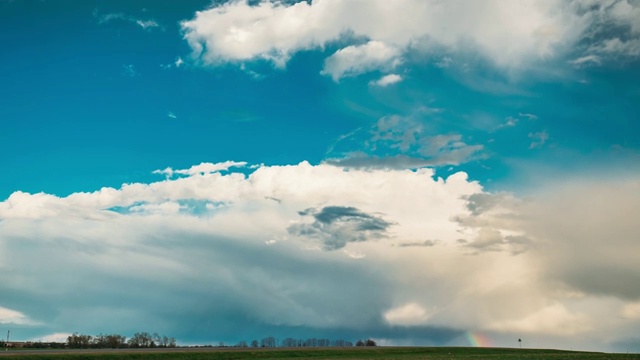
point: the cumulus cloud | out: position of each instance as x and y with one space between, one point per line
140 243
509 35
272 31
194 250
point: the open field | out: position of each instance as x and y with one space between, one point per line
400 353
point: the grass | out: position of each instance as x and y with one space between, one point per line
399 353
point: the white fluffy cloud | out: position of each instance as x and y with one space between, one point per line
358 59
236 31
509 34
186 252
227 229
387 80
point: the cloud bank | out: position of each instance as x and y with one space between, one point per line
346 252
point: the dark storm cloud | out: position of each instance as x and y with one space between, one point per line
195 287
335 226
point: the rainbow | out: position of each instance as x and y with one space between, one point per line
477 339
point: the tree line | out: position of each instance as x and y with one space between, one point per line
270 342
116 341
148 340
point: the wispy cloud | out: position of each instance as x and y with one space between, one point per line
401 142
147 24
539 139
512 121
129 70
202 168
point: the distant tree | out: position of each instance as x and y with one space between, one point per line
115 341
268 342
141 340
241 344
324 342
370 342
360 343
79 341
342 343
254 343
289 342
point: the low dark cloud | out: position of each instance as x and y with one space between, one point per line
335 226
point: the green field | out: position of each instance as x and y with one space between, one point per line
409 353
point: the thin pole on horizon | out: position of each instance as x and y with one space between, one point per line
6 344
520 342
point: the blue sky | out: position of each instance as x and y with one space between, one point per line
286 144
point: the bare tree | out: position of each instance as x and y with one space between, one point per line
79 341
142 340
268 342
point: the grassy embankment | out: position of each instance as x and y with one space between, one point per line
408 353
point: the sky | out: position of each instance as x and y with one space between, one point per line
417 172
